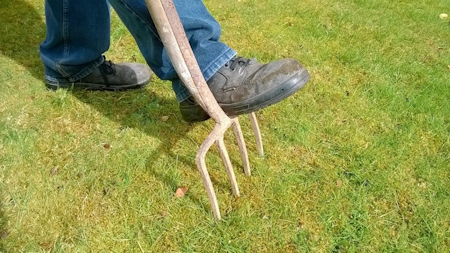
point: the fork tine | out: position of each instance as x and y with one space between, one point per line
241 143
228 167
216 133
257 132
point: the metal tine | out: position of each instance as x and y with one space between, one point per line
228 167
241 144
172 34
257 132
216 135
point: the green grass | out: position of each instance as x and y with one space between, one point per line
357 161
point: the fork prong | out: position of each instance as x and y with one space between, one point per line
241 143
228 167
216 134
201 165
257 132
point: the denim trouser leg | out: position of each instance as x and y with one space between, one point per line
201 28
77 36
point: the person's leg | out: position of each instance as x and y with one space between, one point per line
78 33
77 36
201 28
239 85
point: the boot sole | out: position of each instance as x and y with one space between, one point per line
94 86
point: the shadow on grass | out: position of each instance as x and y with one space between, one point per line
142 110
22 30
3 230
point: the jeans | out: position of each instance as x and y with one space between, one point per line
78 33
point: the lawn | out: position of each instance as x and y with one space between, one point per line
356 161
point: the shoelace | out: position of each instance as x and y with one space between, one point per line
237 62
106 69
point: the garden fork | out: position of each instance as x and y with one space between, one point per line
174 39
